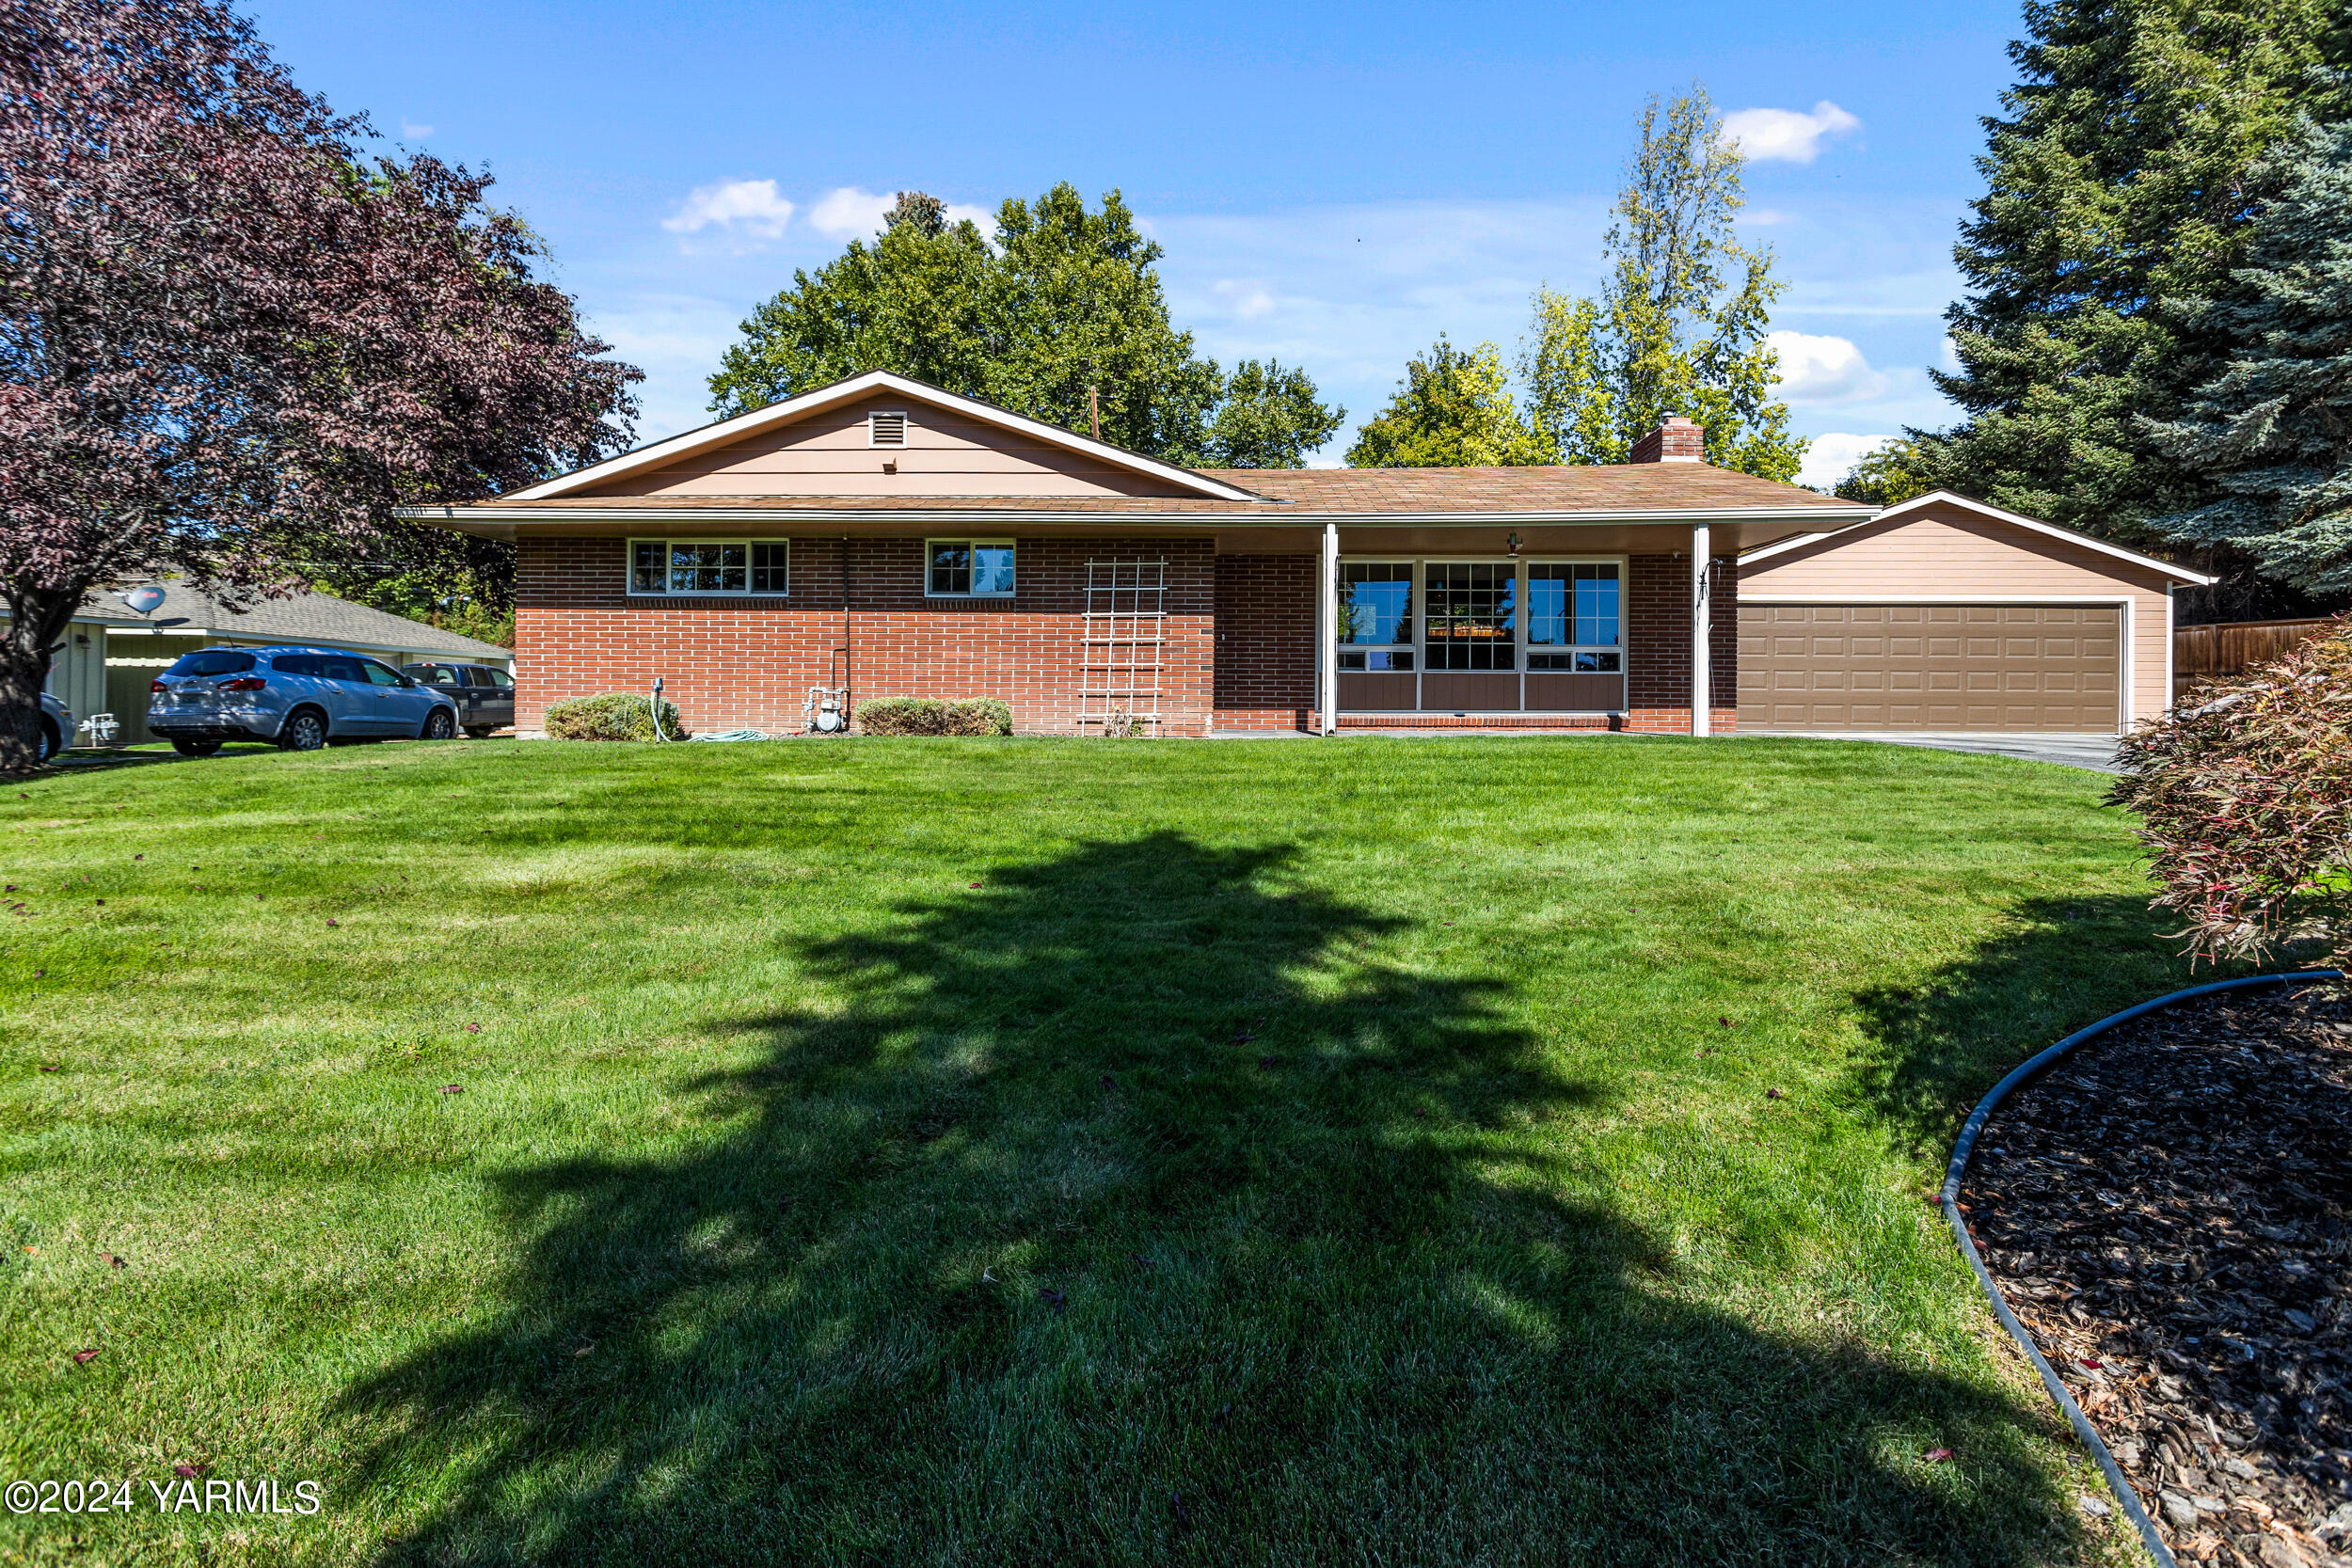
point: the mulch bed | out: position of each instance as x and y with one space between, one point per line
2169 1211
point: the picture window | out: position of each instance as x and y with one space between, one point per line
715 566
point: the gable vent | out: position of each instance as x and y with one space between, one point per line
886 430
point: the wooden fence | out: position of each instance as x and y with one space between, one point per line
2200 653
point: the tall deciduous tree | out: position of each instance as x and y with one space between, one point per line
1453 410
2118 179
1680 327
2272 431
1886 475
1059 314
228 341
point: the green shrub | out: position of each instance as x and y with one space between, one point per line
610 716
2245 805
932 716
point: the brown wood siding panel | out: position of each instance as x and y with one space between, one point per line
1362 693
1558 693
1469 691
1930 667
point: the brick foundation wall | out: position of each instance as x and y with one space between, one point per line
1266 642
733 662
1658 645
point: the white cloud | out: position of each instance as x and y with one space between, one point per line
1787 134
414 132
751 204
1244 298
1832 457
1951 354
1823 368
850 213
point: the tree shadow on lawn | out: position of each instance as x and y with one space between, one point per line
2058 965
1125 1213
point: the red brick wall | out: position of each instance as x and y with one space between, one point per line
734 662
1266 642
1658 645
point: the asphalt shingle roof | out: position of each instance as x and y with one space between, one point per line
306 616
1360 492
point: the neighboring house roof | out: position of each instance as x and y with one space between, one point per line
1953 498
725 432
306 616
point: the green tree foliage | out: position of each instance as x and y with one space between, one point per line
1681 323
1269 418
2118 179
1061 316
2272 431
1453 410
1886 475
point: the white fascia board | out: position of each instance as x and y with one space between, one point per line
2034 525
1272 514
725 431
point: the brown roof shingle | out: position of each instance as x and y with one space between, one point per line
1346 492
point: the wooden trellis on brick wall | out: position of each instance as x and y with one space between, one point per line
1125 632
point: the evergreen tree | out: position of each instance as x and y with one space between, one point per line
2120 179
1062 318
1453 410
2272 431
1681 323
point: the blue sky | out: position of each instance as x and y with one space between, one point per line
1335 185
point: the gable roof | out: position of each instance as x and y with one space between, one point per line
725 432
1982 509
1663 492
307 616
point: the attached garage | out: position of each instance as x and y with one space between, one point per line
1946 614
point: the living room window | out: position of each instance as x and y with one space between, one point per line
1574 617
716 566
969 569
1376 629
1472 614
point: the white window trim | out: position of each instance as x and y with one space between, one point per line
906 423
972 543
628 570
1529 647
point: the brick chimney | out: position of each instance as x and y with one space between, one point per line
1678 440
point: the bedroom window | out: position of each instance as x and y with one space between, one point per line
1573 617
718 567
969 569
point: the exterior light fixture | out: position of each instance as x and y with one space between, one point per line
1515 547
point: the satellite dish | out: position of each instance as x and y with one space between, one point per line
145 600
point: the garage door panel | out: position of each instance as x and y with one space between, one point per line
1931 667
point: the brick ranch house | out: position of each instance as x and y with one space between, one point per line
897 539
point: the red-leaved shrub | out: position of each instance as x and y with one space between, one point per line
2245 800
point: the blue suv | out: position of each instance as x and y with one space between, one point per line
301 698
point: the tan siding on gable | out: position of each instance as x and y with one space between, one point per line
948 454
1951 554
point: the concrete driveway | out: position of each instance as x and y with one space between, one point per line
2095 752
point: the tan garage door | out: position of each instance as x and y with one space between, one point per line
1930 667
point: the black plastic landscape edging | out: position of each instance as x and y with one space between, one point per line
2128 1498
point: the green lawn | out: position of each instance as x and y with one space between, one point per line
1027 1151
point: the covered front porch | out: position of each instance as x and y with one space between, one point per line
1478 624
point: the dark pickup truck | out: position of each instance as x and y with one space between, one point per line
485 697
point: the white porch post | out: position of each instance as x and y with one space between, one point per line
1702 615
1327 620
